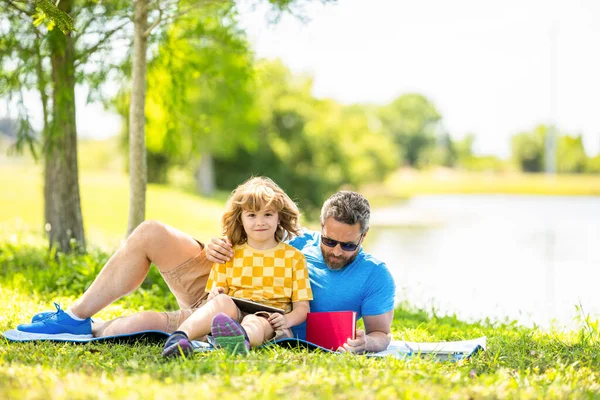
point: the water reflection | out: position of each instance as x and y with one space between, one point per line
531 258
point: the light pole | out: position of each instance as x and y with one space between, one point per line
550 144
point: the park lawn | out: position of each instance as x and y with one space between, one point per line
406 182
520 362
105 197
105 204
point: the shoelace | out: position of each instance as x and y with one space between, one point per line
58 311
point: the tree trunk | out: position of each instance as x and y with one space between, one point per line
61 181
205 175
137 120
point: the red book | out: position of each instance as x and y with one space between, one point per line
330 329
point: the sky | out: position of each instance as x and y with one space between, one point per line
491 68
486 65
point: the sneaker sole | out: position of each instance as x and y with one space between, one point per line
176 349
67 337
229 336
233 344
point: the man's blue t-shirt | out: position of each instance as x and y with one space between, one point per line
365 285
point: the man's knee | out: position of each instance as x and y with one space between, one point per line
150 228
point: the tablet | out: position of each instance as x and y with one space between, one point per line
251 307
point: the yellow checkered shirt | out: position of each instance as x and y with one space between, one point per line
275 277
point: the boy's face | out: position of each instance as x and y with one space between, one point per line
260 227
335 231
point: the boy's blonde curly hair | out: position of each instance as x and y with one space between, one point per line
253 195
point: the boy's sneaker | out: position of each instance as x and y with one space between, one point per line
58 323
178 344
229 334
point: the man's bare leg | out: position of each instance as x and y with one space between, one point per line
151 242
142 321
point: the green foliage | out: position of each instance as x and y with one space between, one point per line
310 147
529 151
48 12
198 91
570 155
593 165
413 121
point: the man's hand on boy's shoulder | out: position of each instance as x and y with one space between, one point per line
219 250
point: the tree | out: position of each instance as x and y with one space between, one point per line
172 9
571 157
27 52
412 120
528 149
137 145
199 94
310 147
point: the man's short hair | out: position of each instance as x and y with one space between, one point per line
347 207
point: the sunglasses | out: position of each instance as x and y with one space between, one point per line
346 246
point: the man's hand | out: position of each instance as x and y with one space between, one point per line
278 321
219 250
215 292
358 345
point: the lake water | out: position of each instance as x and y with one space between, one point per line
530 258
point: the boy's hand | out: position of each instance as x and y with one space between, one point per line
278 321
215 292
219 250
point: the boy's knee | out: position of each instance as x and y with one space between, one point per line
224 302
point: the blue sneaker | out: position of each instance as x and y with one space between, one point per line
229 334
58 323
44 314
177 345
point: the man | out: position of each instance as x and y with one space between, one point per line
346 279
342 276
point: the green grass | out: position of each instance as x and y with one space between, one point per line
520 362
442 181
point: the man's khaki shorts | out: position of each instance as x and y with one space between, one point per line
187 282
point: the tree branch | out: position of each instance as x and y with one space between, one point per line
19 9
84 28
87 52
155 23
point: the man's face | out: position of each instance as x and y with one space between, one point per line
335 257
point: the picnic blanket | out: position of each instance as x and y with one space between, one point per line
446 351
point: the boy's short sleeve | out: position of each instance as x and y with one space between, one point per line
301 290
217 277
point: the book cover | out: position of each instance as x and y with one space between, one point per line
330 329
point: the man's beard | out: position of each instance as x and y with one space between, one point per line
337 263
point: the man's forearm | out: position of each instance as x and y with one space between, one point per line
377 341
